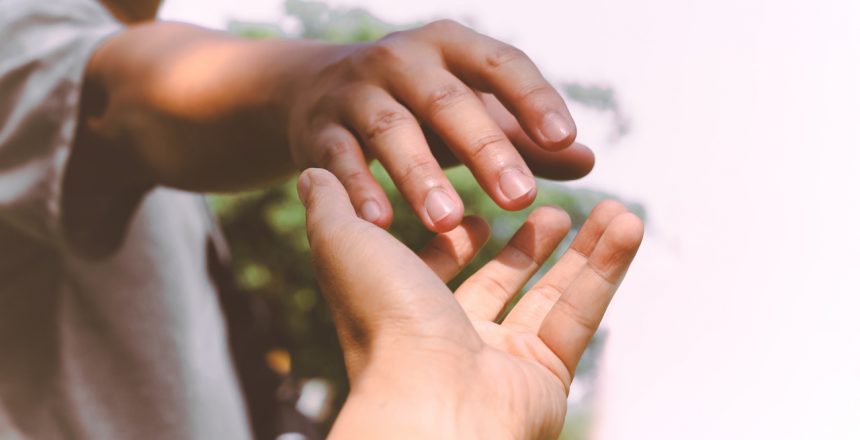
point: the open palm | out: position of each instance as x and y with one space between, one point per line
432 363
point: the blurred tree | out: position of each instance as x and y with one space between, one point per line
599 98
266 231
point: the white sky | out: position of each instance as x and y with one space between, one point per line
740 317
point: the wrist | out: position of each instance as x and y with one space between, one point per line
397 399
382 412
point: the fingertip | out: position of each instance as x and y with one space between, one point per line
625 232
387 212
607 209
376 211
554 217
572 162
387 218
446 224
323 196
618 246
585 159
557 130
303 186
443 211
596 224
310 180
318 176
517 189
448 253
477 228
370 203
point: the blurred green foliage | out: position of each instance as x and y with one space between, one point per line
599 98
266 229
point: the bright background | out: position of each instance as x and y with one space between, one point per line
739 319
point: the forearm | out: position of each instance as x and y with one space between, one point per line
197 109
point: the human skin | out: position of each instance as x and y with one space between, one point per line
131 11
426 363
186 107
176 105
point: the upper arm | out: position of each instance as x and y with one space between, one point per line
46 46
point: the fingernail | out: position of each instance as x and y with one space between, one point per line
515 184
438 205
303 187
556 128
371 211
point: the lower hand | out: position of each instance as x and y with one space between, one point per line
431 364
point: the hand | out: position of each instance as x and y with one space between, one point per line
425 96
431 364
176 105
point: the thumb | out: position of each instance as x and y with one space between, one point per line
325 199
374 285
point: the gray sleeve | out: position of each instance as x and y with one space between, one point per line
44 48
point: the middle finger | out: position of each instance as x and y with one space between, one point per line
390 131
455 112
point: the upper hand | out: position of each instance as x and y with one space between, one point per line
424 361
440 93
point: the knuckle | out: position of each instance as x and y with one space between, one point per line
486 144
547 293
447 252
346 67
333 150
383 53
418 169
394 35
385 121
577 315
447 96
535 92
444 25
521 255
493 288
352 178
504 54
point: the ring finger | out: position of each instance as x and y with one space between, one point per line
337 150
389 130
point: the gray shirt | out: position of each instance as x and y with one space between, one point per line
127 346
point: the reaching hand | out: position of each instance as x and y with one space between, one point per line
438 94
431 364
176 105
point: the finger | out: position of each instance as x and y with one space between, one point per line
574 319
373 284
447 254
458 116
507 72
441 151
336 150
486 293
530 311
391 132
572 162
